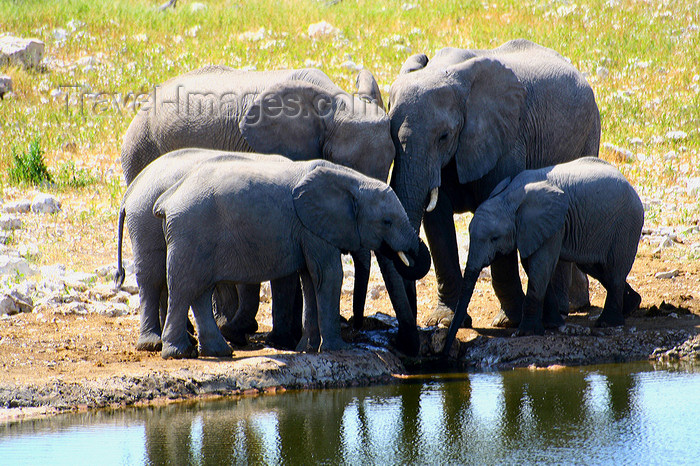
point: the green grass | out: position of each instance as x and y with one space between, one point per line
28 166
651 50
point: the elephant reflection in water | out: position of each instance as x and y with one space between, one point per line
552 403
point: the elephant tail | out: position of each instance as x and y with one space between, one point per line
121 273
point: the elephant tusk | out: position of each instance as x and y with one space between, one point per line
404 259
433 200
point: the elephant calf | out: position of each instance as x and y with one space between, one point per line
582 211
148 240
248 222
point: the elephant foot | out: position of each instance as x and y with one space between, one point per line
503 321
308 345
283 341
234 335
149 342
171 351
408 342
553 321
335 344
526 329
216 348
631 301
607 321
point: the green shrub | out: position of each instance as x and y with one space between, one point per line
29 166
68 175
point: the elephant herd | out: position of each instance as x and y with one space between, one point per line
239 177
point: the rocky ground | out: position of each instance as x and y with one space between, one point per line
67 337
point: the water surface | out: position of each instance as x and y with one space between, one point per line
622 414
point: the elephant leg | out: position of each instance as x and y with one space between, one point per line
149 318
176 341
556 301
540 267
440 232
505 280
326 273
163 311
407 340
363 261
578 291
613 309
211 342
225 303
631 300
310 337
284 292
243 322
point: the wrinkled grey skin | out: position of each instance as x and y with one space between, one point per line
583 212
467 119
248 222
300 114
148 240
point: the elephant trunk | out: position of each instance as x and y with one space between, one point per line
468 284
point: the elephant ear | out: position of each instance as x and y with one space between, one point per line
368 89
542 212
326 203
494 100
288 119
500 187
414 63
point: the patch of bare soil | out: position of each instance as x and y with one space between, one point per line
52 362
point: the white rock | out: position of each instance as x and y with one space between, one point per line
29 250
309 63
79 280
635 141
5 84
21 207
134 301
253 36
670 155
10 265
348 286
676 135
322 29
75 307
87 60
693 186
59 35
53 272
602 72
197 7
408 6
45 204
666 275
351 65
10 222
20 52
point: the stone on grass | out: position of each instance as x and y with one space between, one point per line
5 85
693 186
14 303
322 29
20 52
197 7
11 265
10 222
667 275
676 135
45 204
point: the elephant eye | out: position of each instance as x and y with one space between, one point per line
493 239
387 222
443 137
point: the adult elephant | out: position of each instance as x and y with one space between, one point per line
300 114
466 120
